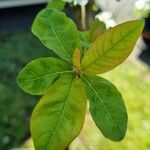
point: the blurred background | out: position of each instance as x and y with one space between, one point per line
18 46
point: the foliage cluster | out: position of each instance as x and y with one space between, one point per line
68 81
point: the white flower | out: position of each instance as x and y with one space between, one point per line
142 4
79 2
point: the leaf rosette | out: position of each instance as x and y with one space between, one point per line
66 83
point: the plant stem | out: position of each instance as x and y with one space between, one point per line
89 16
83 16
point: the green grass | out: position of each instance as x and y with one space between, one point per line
133 80
16 49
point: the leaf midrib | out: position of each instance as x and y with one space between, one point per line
58 38
108 50
103 104
33 79
61 114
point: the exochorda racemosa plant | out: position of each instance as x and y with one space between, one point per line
67 82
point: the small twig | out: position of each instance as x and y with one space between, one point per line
89 16
83 24
83 16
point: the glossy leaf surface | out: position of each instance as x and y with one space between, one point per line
39 74
57 32
107 107
58 117
111 48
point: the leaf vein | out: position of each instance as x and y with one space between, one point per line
61 114
102 103
58 39
32 79
114 45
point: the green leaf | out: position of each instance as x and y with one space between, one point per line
107 107
96 29
56 4
84 39
58 117
39 74
111 48
57 32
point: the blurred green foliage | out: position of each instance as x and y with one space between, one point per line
16 50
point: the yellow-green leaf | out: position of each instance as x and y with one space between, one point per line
111 48
76 58
58 117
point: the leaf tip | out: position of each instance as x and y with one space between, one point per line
139 23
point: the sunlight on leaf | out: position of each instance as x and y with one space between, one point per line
112 48
58 118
